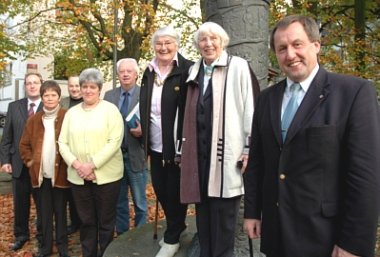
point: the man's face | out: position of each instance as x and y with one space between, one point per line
74 88
127 74
32 87
296 54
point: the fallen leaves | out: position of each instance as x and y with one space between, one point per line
6 227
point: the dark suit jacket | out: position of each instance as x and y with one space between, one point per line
321 187
65 102
135 148
17 116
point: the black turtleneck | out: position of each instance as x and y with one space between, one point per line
74 102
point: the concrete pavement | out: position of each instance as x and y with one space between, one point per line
140 242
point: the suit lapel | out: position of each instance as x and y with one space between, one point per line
134 98
275 110
23 109
316 94
115 96
39 108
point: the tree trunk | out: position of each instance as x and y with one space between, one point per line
246 22
360 34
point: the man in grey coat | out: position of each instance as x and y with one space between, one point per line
126 98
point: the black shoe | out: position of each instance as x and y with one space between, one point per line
18 244
63 255
72 230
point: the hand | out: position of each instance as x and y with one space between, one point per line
7 168
244 159
76 164
90 177
252 227
136 132
85 169
29 163
339 252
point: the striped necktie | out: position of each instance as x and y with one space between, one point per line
31 110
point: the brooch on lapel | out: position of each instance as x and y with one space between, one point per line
176 88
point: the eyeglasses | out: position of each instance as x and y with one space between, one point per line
162 44
33 83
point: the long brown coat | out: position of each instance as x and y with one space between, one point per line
31 150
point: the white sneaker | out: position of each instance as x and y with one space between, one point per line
168 250
162 242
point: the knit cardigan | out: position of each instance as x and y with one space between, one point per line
233 106
31 150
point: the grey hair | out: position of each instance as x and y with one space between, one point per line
130 61
213 28
167 31
92 75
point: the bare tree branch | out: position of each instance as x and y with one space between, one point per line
32 17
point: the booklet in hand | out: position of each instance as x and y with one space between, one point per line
133 116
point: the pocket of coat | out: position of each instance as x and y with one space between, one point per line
322 141
323 131
329 209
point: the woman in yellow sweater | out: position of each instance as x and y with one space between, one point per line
89 142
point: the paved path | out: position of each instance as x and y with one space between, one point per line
140 242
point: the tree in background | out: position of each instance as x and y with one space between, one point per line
9 47
350 33
82 33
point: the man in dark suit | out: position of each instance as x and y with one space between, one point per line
18 113
126 98
312 187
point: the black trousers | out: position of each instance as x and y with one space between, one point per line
74 217
96 206
166 184
53 210
216 223
22 189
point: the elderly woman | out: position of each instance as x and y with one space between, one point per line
90 141
162 99
47 169
216 129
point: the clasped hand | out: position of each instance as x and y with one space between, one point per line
84 170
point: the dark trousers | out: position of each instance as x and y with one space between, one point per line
96 206
74 217
22 189
53 204
166 183
216 223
